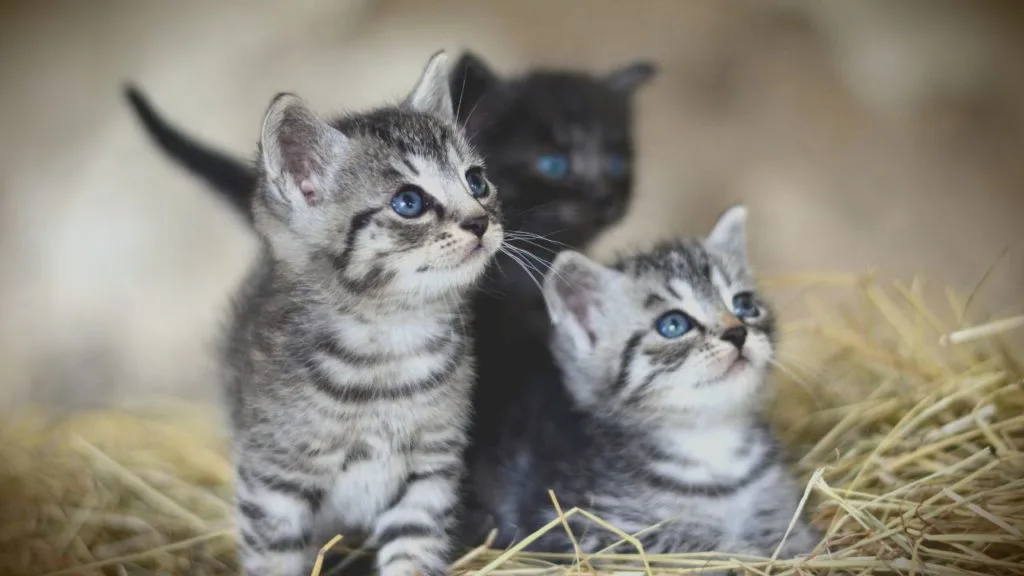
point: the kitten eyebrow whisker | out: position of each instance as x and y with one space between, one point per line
470 115
490 121
462 94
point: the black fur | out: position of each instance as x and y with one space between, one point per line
233 179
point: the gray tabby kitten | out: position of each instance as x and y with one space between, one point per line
348 358
664 359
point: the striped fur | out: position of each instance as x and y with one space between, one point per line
645 430
348 365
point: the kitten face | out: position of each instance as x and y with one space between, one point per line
677 331
395 202
560 144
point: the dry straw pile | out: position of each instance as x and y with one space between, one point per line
912 447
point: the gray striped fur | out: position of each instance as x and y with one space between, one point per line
348 358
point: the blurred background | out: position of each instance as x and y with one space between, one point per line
863 135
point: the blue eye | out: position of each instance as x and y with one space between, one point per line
743 306
616 166
477 183
554 166
409 202
673 324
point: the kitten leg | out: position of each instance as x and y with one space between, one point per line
275 522
413 536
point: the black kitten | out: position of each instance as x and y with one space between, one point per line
559 146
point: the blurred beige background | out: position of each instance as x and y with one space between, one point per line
862 134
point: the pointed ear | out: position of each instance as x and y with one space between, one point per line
631 76
471 79
300 152
432 94
729 235
577 290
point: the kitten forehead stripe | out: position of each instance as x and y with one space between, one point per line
653 300
412 167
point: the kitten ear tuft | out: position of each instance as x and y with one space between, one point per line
729 236
574 289
471 79
299 152
432 94
631 76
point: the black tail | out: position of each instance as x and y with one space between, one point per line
232 178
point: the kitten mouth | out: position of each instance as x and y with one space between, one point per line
740 363
735 367
474 252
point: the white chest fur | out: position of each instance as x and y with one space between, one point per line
710 455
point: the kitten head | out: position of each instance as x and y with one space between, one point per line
677 333
393 203
560 144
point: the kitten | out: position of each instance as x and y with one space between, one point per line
664 359
349 367
559 146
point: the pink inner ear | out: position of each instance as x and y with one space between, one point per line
580 308
308 192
